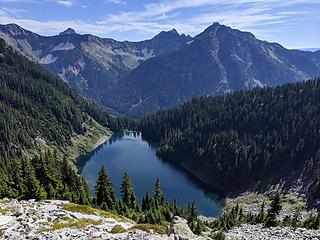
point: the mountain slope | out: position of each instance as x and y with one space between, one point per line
246 140
91 64
41 121
137 78
217 61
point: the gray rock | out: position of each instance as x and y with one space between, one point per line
180 229
5 220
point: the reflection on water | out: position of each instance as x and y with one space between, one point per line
129 152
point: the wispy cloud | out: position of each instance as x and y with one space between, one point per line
167 14
66 3
117 2
241 14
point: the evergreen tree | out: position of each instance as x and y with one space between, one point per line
273 212
261 215
158 194
104 190
192 212
127 190
33 189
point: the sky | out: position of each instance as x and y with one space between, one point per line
292 23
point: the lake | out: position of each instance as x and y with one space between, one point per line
129 152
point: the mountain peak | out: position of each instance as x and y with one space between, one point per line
214 27
174 31
68 31
14 29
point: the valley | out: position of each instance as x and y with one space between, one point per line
214 136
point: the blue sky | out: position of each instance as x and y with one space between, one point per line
293 23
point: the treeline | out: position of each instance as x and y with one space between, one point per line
154 208
268 218
245 140
38 109
45 176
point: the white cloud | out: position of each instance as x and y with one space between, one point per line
241 14
66 3
117 2
155 17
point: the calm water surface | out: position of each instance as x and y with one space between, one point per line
129 152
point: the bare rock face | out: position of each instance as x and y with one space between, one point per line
179 229
5 220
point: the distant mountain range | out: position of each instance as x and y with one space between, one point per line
136 78
310 49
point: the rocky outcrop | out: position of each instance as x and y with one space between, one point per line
54 219
49 220
179 229
257 232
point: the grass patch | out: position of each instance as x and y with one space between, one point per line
247 201
294 203
4 201
160 229
117 229
84 144
72 223
72 207
6 210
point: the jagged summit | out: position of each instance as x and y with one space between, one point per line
14 29
68 31
173 30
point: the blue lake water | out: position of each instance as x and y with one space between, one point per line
129 152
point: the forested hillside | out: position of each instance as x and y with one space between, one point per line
246 140
41 118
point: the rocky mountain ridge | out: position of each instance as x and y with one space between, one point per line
88 63
217 61
137 78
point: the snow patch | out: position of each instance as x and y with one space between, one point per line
48 59
63 47
146 54
273 55
258 83
190 42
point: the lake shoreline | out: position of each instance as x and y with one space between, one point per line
128 152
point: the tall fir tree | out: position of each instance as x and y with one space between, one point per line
158 194
104 191
192 212
127 190
273 212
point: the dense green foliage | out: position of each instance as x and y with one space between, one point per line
44 176
275 208
37 111
248 139
236 217
128 194
105 195
153 210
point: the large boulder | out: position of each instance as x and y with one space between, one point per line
179 229
5 220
